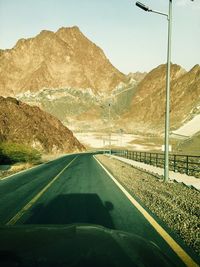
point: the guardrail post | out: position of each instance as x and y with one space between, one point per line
187 165
174 163
150 159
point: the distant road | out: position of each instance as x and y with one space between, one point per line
73 189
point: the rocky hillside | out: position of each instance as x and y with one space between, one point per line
61 59
81 110
21 123
135 107
147 111
190 145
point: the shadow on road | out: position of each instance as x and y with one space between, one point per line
73 208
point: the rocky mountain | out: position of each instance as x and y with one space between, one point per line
61 59
135 106
147 110
70 77
21 123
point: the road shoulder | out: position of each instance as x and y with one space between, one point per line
173 203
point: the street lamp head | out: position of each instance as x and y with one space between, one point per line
142 6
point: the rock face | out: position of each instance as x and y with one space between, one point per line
147 110
28 125
137 76
62 59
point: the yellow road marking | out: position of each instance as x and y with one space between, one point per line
171 242
33 200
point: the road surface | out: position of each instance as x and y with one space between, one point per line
74 189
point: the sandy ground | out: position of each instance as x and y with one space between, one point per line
190 128
96 140
130 141
175 204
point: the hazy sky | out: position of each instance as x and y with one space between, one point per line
132 39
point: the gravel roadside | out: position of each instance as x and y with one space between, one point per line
175 204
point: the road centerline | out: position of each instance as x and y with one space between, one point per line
17 216
170 241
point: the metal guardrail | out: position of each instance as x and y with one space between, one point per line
177 163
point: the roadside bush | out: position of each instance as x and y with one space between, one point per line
13 153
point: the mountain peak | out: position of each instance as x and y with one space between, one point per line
72 59
45 33
69 29
20 42
196 68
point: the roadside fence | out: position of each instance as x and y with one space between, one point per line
178 163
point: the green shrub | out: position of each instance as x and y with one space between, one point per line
13 152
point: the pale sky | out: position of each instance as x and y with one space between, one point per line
132 39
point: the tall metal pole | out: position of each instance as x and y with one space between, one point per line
109 127
167 106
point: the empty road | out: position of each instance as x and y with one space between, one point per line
74 189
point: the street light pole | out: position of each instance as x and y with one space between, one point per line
167 103
109 127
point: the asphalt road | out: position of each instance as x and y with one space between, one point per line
73 189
